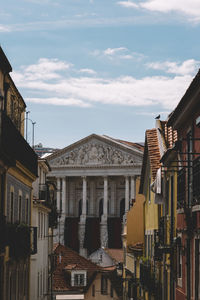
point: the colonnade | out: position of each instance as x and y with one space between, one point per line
129 195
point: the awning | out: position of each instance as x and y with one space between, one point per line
69 297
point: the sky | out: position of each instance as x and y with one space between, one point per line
99 66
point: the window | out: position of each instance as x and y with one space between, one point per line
39 225
20 208
27 210
11 206
41 231
104 285
78 278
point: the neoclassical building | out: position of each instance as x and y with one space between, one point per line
95 188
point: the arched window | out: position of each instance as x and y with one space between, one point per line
122 209
100 208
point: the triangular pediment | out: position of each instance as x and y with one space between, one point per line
96 150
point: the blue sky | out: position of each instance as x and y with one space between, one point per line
100 66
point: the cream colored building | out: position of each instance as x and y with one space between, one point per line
40 276
95 185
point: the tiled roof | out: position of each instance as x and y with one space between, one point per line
116 254
152 151
68 260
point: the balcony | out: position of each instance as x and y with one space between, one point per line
21 239
148 280
13 147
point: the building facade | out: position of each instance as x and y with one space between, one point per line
18 166
44 218
95 185
186 120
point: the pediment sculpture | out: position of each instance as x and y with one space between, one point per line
95 153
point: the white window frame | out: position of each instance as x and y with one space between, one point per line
79 272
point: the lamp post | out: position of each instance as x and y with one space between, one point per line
27 112
33 132
33 129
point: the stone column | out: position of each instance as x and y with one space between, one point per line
104 229
58 194
126 194
113 198
92 198
82 222
105 198
56 238
84 201
133 191
63 214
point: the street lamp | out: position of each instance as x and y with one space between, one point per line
33 129
33 132
27 112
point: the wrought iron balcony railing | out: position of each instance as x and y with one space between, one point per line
181 188
148 280
21 239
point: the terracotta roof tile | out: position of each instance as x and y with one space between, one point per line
152 151
116 254
67 259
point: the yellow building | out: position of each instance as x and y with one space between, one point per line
133 240
158 184
18 169
167 243
151 187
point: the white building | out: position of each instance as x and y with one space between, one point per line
95 185
40 277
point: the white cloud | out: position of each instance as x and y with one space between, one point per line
162 91
190 8
189 66
112 51
87 71
45 69
117 54
4 28
59 101
128 4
